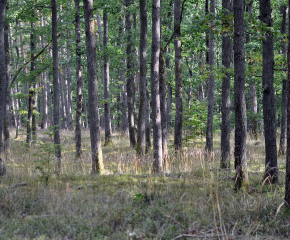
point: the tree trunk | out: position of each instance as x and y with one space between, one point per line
287 184
226 90
283 136
63 103
86 123
130 77
210 85
155 95
269 109
178 79
96 148
56 110
49 100
140 148
107 110
79 78
7 94
163 107
169 95
44 101
240 100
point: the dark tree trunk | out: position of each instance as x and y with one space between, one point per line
31 89
210 85
79 78
226 89
178 79
3 79
287 184
282 148
107 111
56 100
240 101
140 148
269 109
155 95
163 107
96 148
130 77
7 94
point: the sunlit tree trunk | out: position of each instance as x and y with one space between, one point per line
226 90
96 148
155 95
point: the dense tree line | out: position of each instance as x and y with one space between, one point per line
73 66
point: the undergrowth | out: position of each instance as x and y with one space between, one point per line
191 196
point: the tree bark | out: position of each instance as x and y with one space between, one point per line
287 182
56 110
226 89
210 85
269 109
140 148
283 136
79 78
96 148
130 77
240 101
107 110
7 94
155 95
178 79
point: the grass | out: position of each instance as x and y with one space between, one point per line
192 196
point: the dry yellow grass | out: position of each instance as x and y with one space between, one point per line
192 196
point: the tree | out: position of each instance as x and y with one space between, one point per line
107 112
96 148
287 184
269 108
143 101
155 95
226 87
240 101
56 112
130 76
283 136
210 83
79 78
178 78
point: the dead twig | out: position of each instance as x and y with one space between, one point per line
18 185
197 236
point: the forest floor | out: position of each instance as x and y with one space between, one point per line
191 197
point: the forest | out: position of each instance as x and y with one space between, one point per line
149 119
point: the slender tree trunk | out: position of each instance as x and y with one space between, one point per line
31 90
287 184
96 148
240 100
283 137
155 95
163 107
49 100
178 79
140 148
7 95
56 100
107 110
226 90
63 104
269 109
79 78
86 123
34 106
130 77
44 101
3 79
210 85
69 80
